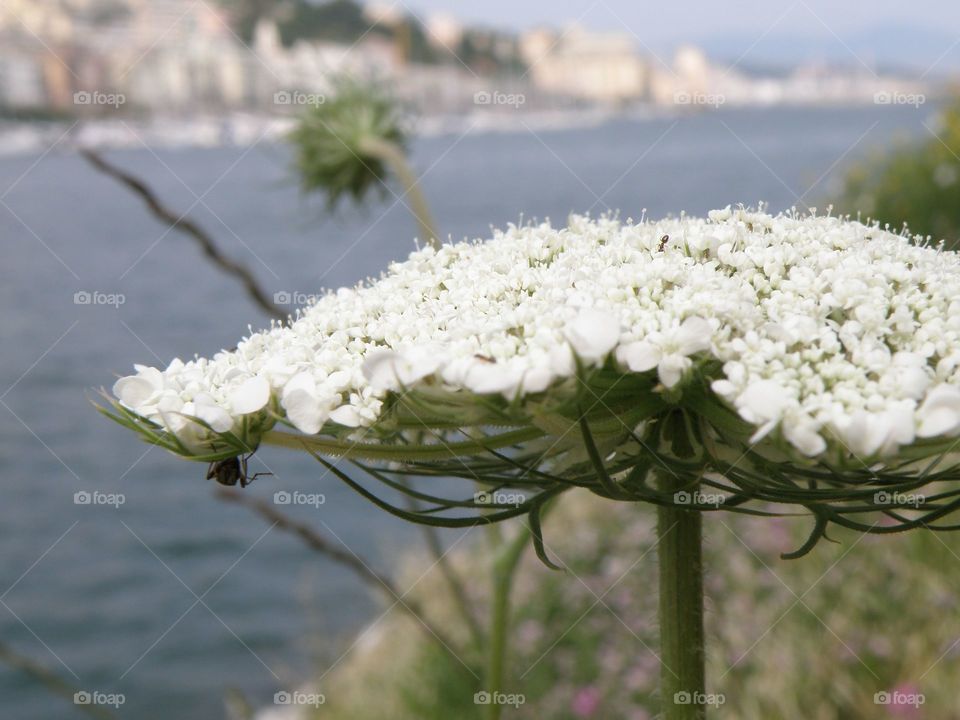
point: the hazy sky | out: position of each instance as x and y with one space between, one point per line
668 21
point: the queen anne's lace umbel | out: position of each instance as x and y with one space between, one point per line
820 331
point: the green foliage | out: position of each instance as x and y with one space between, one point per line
244 15
343 146
488 52
339 20
343 21
916 184
815 638
440 684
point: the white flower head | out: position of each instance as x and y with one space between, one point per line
821 333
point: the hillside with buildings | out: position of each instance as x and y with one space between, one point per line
177 57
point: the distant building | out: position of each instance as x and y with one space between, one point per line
51 20
600 67
690 76
179 55
36 39
309 66
444 30
21 79
383 13
692 80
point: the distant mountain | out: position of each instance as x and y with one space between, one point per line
888 47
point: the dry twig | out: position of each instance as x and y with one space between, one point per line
188 227
344 557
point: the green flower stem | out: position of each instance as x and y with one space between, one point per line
504 569
400 453
682 672
394 156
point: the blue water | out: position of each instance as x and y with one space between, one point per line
103 595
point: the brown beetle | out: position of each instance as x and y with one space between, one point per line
232 470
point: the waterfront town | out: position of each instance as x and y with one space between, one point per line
186 57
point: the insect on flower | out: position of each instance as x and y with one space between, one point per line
231 471
663 243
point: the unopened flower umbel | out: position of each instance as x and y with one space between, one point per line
830 337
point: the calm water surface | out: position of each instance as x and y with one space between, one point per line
109 595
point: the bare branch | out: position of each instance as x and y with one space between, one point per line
457 589
52 682
188 227
346 558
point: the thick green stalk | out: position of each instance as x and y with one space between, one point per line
504 569
396 158
682 672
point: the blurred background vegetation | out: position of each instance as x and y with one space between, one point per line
914 184
480 49
815 638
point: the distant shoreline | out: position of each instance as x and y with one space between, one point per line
240 129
